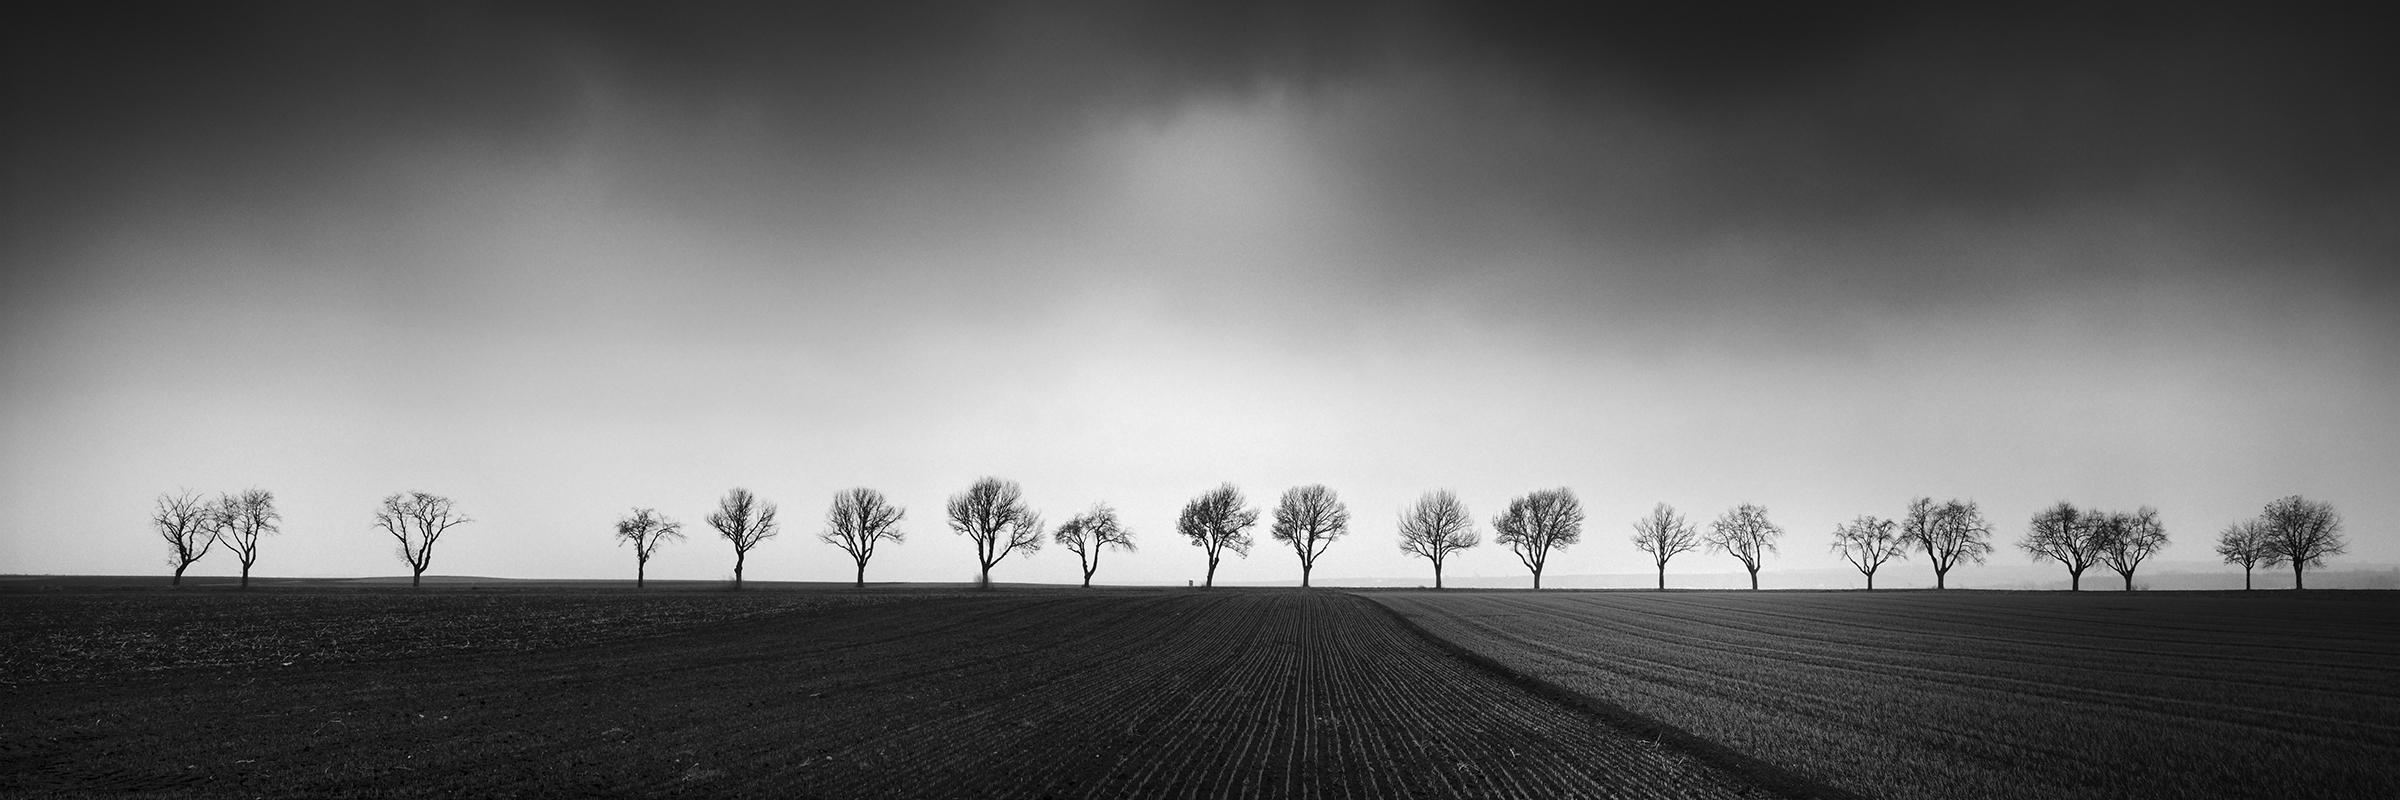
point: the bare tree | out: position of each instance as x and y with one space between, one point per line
1090 532
1216 521
1537 523
1663 534
1437 527
1309 519
1868 542
744 520
2245 543
2068 535
190 527
1745 533
859 520
244 518
646 529
993 513
1948 533
417 520
2128 539
2303 533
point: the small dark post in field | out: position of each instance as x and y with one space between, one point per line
860 519
743 520
2304 533
244 518
1867 542
2130 539
1745 533
1309 519
1948 533
2068 535
1535 524
190 527
646 529
1216 521
1663 534
2244 544
1090 532
1438 526
993 513
417 520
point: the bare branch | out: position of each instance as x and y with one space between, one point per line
860 519
1537 523
1308 519
1438 526
2303 533
1867 542
1216 521
190 527
1663 534
646 529
416 520
1745 533
744 521
993 513
1090 532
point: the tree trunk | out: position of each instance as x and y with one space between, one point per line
639 567
862 575
1304 568
2296 580
1870 581
738 556
1211 583
245 576
2245 579
1437 575
179 574
1754 580
2074 580
2128 581
1537 579
1662 577
1087 577
416 579
986 581
1941 578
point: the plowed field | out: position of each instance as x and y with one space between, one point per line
1983 694
1011 694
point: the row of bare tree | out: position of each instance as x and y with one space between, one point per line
993 515
193 526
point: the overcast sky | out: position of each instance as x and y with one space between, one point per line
558 261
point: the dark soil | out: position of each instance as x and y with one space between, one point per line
829 694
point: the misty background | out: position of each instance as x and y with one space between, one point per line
558 260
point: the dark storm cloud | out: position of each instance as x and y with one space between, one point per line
1743 115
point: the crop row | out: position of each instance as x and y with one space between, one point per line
2010 695
1238 694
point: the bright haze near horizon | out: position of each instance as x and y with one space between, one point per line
558 260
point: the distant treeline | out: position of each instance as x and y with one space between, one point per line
993 515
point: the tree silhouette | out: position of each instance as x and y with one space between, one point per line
859 520
1309 519
1216 521
1947 533
2069 535
417 520
1663 534
2244 543
1436 527
190 527
244 518
744 520
1537 523
2303 533
1867 542
2128 539
993 514
1090 532
1745 533
646 529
